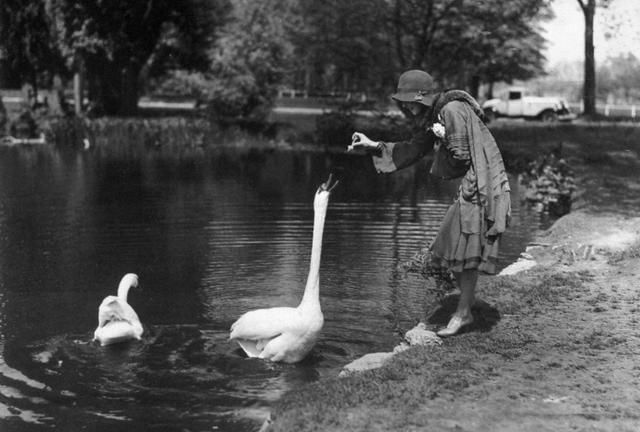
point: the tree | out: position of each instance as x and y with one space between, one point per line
344 46
28 53
418 29
118 42
506 51
619 78
626 74
362 45
250 58
464 42
605 82
589 90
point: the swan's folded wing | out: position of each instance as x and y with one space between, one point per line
114 309
264 323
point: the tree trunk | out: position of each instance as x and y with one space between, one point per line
129 91
589 89
77 92
78 87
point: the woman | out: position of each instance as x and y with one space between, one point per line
451 123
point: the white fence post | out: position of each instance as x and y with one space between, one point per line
633 111
606 110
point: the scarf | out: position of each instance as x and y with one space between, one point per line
450 95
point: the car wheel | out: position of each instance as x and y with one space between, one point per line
549 116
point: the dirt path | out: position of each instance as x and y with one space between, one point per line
581 369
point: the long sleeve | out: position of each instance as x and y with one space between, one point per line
397 155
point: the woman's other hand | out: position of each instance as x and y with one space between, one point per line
360 141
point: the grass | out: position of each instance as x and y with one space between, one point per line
533 292
632 252
390 398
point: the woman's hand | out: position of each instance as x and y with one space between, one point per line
361 141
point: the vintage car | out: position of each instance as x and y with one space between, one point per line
516 103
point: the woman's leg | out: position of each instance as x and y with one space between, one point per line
467 281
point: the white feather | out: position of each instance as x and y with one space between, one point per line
117 321
287 334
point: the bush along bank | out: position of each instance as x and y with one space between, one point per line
550 184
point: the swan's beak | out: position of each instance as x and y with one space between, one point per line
328 185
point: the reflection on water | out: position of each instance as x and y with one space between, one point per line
211 236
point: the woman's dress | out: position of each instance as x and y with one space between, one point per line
469 235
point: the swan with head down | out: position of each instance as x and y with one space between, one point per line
287 334
117 321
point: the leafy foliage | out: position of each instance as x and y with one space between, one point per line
182 83
249 59
27 42
238 53
361 45
461 41
508 44
344 46
116 41
619 78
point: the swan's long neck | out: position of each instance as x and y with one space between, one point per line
126 283
311 295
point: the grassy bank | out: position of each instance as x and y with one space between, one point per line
551 349
395 397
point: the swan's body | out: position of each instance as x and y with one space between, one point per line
287 334
117 321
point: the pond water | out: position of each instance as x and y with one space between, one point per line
211 235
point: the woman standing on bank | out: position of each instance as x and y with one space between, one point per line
450 123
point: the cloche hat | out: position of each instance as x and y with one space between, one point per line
416 86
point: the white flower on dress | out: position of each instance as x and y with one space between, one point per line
438 130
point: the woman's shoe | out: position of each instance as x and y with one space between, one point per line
455 324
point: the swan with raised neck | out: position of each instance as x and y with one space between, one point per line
287 334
